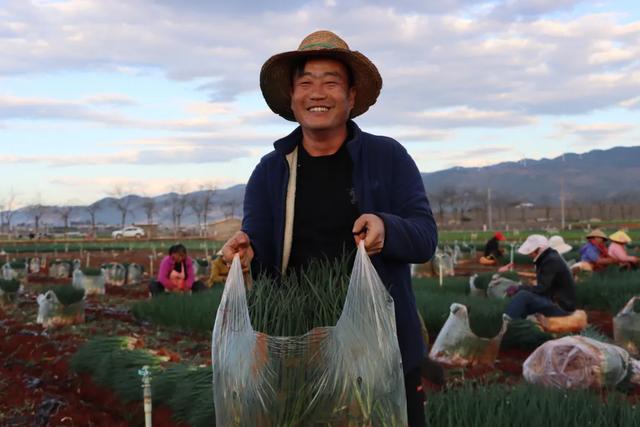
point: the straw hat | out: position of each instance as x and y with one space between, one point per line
597 233
558 243
276 73
620 237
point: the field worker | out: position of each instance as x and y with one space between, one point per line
618 252
219 271
594 252
559 245
554 294
328 183
176 273
492 251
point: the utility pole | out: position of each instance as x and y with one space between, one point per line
489 219
562 203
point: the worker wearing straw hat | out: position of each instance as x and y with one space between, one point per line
618 252
594 252
328 183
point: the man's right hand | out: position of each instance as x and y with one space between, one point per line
239 244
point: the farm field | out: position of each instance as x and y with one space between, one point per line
45 382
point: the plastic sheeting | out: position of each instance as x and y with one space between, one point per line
626 328
497 287
9 273
457 345
34 265
10 298
90 284
201 268
134 274
114 274
577 362
348 374
60 269
443 260
51 313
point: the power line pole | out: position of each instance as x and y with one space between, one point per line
489 213
562 203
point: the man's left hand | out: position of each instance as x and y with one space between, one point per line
370 228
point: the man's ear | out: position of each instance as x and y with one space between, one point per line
352 97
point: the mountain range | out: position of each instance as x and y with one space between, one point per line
595 176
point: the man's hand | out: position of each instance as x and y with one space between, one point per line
370 228
239 244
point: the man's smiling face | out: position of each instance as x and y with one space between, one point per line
321 98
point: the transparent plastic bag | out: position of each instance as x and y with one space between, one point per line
578 362
347 374
443 260
497 287
134 274
114 274
626 327
52 313
90 284
60 269
457 345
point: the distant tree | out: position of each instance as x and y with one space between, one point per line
229 208
37 211
7 210
65 213
121 202
93 209
196 205
208 192
178 202
150 207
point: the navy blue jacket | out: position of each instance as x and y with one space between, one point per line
387 183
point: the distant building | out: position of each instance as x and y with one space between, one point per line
223 229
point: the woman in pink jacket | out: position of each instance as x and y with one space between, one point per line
176 273
618 252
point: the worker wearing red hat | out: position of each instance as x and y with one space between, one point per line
492 248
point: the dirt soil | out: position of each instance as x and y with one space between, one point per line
37 388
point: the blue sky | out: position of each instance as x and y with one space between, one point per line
150 96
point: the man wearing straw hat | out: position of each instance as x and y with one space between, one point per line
328 183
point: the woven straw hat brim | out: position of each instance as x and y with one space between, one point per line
597 233
620 237
276 79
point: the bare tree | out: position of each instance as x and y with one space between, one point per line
93 209
196 205
150 207
37 210
65 213
121 201
208 192
7 210
229 208
443 198
178 202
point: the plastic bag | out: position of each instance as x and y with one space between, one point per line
134 274
52 313
497 287
443 260
348 374
577 362
60 269
90 284
626 328
34 265
457 345
114 274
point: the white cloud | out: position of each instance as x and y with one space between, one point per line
594 132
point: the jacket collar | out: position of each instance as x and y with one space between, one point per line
287 144
543 255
